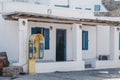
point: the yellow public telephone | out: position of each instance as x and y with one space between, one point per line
36 51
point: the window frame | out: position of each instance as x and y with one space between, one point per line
47 39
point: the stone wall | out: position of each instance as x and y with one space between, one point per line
111 4
113 13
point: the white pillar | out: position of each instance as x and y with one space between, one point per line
77 42
114 43
23 40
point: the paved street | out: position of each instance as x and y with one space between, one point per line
108 74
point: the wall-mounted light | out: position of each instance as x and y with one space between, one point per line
118 29
51 27
49 11
80 26
23 23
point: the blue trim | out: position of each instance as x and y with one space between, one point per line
47 38
33 30
65 45
84 40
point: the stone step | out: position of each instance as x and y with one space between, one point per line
12 71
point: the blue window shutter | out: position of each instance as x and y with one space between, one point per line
34 30
46 35
84 40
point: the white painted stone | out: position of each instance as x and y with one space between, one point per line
16 47
77 41
92 45
114 43
23 40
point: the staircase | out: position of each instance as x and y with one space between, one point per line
111 4
113 8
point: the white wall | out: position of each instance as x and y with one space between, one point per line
9 38
59 66
0 7
80 3
114 43
43 10
99 41
59 2
103 40
87 4
91 52
5 0
73 3
107 64
51 53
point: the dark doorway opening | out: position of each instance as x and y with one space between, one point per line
60 45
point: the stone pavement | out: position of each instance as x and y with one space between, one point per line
106 74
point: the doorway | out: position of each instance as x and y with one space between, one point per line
60 45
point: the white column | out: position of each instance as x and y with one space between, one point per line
77 42
23 40
114 43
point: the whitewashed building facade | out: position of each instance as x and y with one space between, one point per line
87 40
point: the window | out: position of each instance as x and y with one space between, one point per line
20 0
97 8
62 3
45 32
78 8
84 40
65 6
87 8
